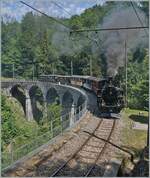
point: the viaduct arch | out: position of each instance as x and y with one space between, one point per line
35 95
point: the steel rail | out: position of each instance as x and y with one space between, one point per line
102 151
116 146
63 165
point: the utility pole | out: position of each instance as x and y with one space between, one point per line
33 71
91 67
126 75
148 133
13 68
53 69
71 68
37 70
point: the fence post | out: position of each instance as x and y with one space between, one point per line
72 115
61 125
79 112
11 151
52 128
75 114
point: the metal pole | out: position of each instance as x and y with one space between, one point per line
51 127
33 71
91 67
126 75
71 68
13 66
148 133
53 69
12 154
37 71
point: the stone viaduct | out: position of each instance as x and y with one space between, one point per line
46 92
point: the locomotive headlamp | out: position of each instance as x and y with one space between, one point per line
108 167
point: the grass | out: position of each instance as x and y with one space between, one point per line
5 78
134 140
10 78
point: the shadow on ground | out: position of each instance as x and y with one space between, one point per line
141 168
141 119
136 152
73 169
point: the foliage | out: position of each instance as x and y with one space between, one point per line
9 127
31 42
138 84
54 114
14 124
137 80
133 139
16 128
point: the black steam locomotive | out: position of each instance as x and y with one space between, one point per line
109 97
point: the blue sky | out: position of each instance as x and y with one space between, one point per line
14 9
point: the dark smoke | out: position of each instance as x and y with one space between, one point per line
114 41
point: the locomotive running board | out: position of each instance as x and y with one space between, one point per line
110 115
114 115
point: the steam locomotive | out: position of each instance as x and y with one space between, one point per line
109 97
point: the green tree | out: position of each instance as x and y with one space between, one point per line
138 84
9 127
27 43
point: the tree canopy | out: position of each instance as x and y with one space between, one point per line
37 45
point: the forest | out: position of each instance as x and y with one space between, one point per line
37 45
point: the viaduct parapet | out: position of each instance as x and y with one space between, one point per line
67 96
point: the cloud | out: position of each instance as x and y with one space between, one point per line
14 9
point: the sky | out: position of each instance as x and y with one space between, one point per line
15 9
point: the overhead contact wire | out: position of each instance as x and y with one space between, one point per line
52 18
138 17
58 5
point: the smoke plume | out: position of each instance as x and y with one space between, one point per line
114 41
65 42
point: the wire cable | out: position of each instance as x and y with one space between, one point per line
58 5
108 29
52 18
138 17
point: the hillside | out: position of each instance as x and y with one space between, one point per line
37 45
13 116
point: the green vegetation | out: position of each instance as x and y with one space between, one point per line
132 139
16 127
40 41
14 123
53 117
21 136
138 80
34 41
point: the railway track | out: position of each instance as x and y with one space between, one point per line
83 162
